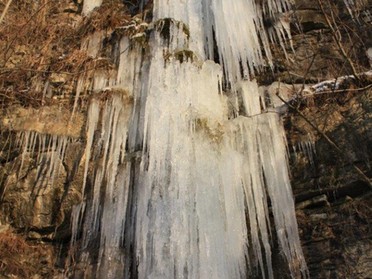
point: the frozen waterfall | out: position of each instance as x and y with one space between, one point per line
175 185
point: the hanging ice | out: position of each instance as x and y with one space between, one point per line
50 151
109 182
176 188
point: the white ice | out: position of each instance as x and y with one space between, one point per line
204 181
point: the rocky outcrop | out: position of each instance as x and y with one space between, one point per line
333 200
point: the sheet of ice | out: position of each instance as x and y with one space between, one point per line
262 139
176 194
229 168
106 201
187 12
92 44
199 207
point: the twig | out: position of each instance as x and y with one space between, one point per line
5 11
32 17
6 96
331 142
337 37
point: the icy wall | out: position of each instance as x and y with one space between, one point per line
197 174
178 184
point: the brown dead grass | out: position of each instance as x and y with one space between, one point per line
32 38
109 16
19 258
38 39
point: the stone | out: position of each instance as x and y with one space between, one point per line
34 235
57 79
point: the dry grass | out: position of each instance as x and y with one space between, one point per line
109 16
38 39
32 38
19 258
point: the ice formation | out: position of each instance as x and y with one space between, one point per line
236 27
307 148
49 150
175 186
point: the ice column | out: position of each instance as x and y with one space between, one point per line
106 201
100 219
204 185
200 172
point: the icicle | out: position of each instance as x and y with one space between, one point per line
358 9
76 224
350 7
252 99
273 155
48 166
129 66
93 117
92 44
199 173
263 165
280 32
230 21
24 139
188 15
307 148
111 178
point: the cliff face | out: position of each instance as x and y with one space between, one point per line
54 53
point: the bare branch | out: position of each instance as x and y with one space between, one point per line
337 37
330 141
5 10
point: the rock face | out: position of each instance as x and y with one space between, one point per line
333 200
